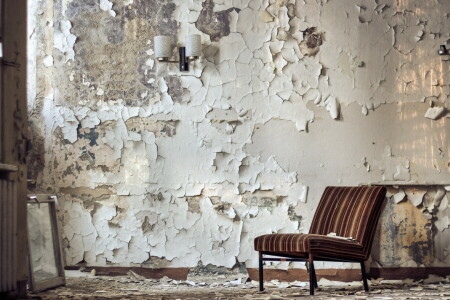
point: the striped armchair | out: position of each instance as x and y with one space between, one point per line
350 212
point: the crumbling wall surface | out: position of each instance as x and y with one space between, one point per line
414 231
157 167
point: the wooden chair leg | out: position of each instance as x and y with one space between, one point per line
261 271
364 276
315 277
311 274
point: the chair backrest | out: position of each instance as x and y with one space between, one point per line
350 212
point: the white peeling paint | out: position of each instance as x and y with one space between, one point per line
64 40
434 113
107 5
48 61
247 145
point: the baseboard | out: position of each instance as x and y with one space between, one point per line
413 273
345 275
173 273
302 275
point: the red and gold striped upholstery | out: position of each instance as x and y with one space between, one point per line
347 211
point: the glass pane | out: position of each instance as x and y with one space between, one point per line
42 249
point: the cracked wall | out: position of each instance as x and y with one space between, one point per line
155 167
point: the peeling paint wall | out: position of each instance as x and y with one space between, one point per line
160 168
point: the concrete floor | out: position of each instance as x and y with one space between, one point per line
88 286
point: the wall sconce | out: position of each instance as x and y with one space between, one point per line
191 51
442 50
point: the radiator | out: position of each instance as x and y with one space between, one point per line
8 235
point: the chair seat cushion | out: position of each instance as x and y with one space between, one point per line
303 244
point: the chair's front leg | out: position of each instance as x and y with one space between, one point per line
311 274
261 270
364 276
315 277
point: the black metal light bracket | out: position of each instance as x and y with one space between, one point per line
183 60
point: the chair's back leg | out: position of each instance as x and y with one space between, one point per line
311 274
364 276
261 271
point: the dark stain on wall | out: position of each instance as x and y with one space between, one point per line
158 12
90 135
215 24
36 153
312 40
421 251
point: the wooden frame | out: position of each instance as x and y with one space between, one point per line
312 272
14 123
59 279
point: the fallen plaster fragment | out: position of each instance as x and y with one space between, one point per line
48 61
434 113
434 279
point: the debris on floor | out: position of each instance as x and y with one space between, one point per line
235 286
